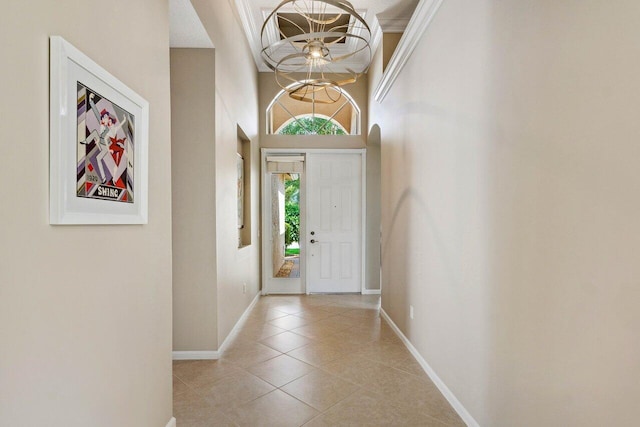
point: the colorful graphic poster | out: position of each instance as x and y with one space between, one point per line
105 148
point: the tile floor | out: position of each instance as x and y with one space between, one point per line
318 360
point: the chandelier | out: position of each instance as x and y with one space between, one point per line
315 46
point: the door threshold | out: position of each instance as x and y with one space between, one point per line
334 293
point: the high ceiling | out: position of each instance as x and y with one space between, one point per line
388 15
185 26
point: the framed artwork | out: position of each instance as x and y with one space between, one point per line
99 136
240 166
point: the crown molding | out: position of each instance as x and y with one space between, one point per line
243 8
376 35
393 25
420 21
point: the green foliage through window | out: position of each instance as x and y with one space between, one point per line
292 210
312 126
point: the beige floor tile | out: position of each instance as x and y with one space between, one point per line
192 410
341 358
275 409
179 387
281 299
314 314
281 370
428 402
342 346
367 313
252 322
351 335
350 322
286 341
384 333
334 309
289 308
320 389
411 366
365 323
248 353
339 322
388 353
356 369
393 382
239 343
259 331
315 331
360 335
196 373
316 354
234 390
266 314
358 303
314 300
367 409
289 322
414 393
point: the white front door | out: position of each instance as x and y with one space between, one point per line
334 228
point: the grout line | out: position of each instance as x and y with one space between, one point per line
360 322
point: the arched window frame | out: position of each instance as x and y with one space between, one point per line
348 101
317 115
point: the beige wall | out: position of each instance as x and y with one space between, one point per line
389 44
510 208
85 310
372 212
193 199
236 102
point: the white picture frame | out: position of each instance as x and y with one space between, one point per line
99 137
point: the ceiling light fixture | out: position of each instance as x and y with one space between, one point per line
323 44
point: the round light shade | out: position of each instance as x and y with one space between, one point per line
313 44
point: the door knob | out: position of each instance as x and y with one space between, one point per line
313 240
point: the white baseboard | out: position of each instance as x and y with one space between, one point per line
448 394
371 292
239 324
215 354
172 422
196 355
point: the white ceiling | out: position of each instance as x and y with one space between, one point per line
186 29
391 15
188 32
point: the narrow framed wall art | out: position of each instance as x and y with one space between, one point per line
99 136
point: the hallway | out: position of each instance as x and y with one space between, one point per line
326 360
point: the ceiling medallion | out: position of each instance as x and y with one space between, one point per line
315 47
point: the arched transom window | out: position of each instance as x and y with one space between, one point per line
287 116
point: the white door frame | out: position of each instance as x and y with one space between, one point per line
266 202
272 284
